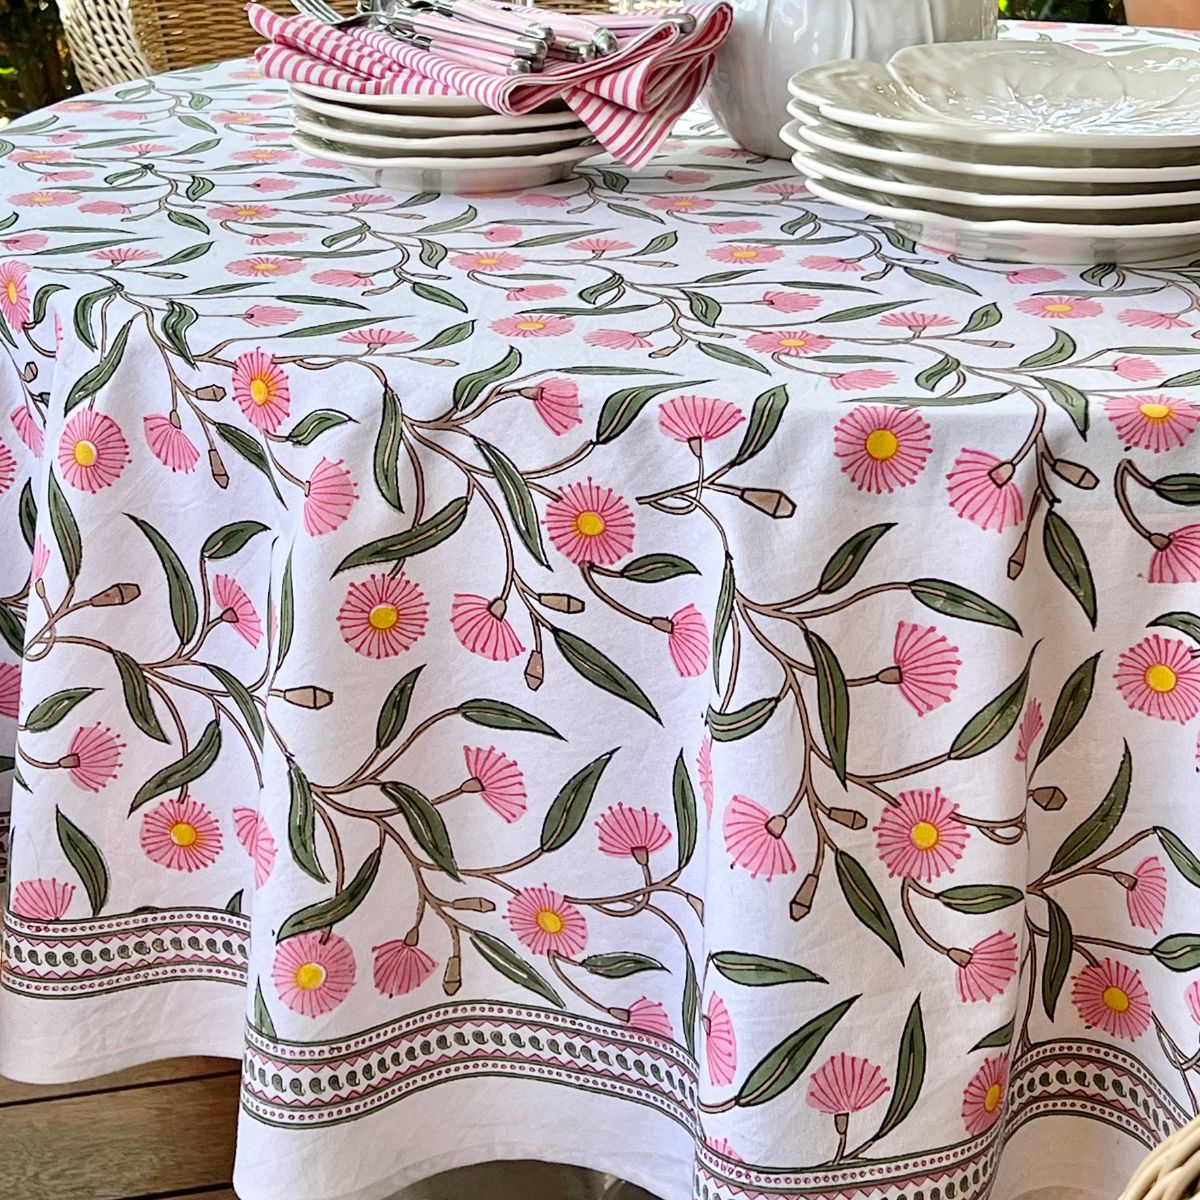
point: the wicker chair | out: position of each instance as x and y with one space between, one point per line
1171 1171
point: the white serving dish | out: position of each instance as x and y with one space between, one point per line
417 105
405 124
467 145
499 174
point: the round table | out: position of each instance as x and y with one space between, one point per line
655 673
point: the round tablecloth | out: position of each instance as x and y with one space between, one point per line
656 673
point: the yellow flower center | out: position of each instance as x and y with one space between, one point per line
589 524
1160 678
266 267
924 835
744 252
184 833
684 202
991 1098
260 390
10 290
882 444
549 921
42 198
383 617
1116 999
532 324
487 260
309 976
262 155
248 212
1058 308
85 454
1155 412
793 342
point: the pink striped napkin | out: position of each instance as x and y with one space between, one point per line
630 99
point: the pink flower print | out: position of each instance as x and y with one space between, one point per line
927 665
502 233
985 971
1031 726
534 291
261 390
45 199
383 616
882 447
328 497
68 138
400 968
721 1146
41 558
649 1016
358 199
498 781
532 325
93 757
235 608
1147 318
242 212
1059 308
262 156
494 262
983 1097
720 1044
617 339
556 402
1136 370
982 491
8 468
236 118
42 899
105 208
342 278
181 835
543 200
705 772
1192 996
789 342
256 839
846 1084
546 922
169 444
1035 275
313 972
632 833
1110 996
698 418
782 187
599 245
685 177
24 241
1154 423
920 837
822 262
754 839
915 322
273 185
480 625
1160 678
130 114
39 156
92 451
263 316
725 152
679 204
745 256
864 380
1178 560
791 302
734 228
1146 894
14 293
262 266
10 689
375 338
590 524
28 430
687 641
120 255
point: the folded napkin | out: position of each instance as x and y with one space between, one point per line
630 99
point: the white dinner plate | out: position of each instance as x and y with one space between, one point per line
417 105
404 124
467 145
499 174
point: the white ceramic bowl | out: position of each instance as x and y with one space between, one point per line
474 145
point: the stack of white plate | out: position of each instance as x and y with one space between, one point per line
439 143
1024 152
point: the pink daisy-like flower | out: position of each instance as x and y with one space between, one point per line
928 666
56 177
8 468
1035 275
262 156
28 429
1031 726
358 199
1147 318
1159 677
719 151
1136 370
14 293
236 118
823 262
679 204
400 968
261 390
235 608
649 1016
93 757
722 1146
169 444
686 177
744 256
92 452
497 779
502 233
734 228
1179 560
273 185
130 114
543 200
534 291
67 137
262 266
617 339
1154 423
39 156
181 835
985 971
119 255
687 641
10 689
920 837
720 1044
546 922
982 491
698 418
329 495
24 241
339 277
632 833
383 616
243 212
104 208
863 380
480 625
846 1084
42 899
882 447
1146 895
705 772
590 524
257 840
1060 308
599 245
377 337
1109 995
916 322
263 316
782 187
983 1097
41 558
556 402
492 261
1192 997
791 302
788 342
532 325
45 199
754 839
313 972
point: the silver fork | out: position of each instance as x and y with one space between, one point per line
319 10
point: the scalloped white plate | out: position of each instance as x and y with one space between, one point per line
441 105
406 124
476 144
